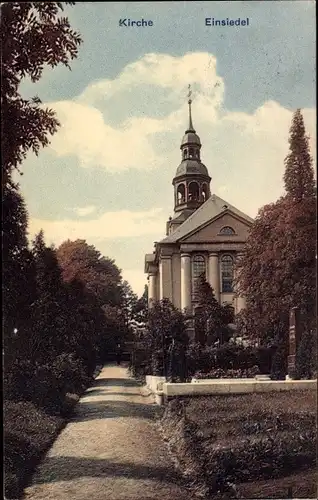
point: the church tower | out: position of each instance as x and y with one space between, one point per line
192 181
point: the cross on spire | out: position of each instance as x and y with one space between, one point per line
189 94
190 128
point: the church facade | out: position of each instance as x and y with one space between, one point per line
205 236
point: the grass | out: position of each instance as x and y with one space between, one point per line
264 445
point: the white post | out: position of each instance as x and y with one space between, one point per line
185 281
214 274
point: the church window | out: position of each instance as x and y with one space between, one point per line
185 151
191 152
198 271
193 191
227 230
180 194
204 192
227 273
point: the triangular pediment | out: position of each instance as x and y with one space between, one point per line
214 229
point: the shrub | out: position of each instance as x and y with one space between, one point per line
305 357
231 373
28 432
279 365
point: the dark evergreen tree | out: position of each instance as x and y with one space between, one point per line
278 268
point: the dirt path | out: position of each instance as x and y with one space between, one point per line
110 450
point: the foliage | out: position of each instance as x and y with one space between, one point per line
278 270
229 373
140 310
305 357
226 359
33 36
28 433
211 318
162 347
279 362
100 275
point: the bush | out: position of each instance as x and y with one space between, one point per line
279 363
28 432
305 357
231 373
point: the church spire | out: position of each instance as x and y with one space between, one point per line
190 128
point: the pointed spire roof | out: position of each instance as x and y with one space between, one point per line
191 127
190 135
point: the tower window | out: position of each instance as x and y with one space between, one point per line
227 273
185 151
227 230
191 152
193 191
180 194
198 271
204 192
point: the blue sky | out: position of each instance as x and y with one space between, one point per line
107 175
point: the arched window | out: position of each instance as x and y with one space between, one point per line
185 151
180 194
193 191
198 271
227 273
191 153
204 192
227 230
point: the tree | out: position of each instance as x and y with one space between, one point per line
130 300
211 319
49 312
278 268
18 272
141 307
100 275
305 356
33 35
166 340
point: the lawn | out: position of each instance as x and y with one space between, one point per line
246 446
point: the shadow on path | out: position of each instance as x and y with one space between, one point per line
115 382
93 410
107 392
68 468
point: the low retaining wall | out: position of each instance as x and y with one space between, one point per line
234 386
153 381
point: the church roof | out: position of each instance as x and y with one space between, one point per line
191 167
213 207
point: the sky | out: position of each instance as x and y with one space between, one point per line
107 175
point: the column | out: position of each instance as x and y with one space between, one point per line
185 281
152 296
214 274
240 300
165 277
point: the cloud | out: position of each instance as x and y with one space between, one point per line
83 211
110 225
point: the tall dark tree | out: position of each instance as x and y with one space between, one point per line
33 35
166 340
49 312
18 271
278 269
211 319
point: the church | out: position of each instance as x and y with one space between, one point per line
205 236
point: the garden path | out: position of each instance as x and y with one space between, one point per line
111 449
